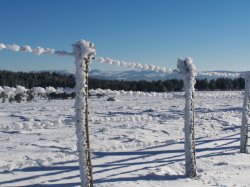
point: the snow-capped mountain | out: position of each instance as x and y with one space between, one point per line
150 75
133 75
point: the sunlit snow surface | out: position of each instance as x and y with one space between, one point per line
38 143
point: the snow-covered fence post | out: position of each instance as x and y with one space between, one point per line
84 52
187 70
245 115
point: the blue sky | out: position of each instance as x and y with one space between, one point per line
215 33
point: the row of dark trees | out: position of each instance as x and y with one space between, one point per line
35 79
44 79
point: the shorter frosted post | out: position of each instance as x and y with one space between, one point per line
187 70
245 115
84 52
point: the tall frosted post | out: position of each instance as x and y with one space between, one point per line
245 116
187 70
84 52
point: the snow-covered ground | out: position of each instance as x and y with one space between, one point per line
136 142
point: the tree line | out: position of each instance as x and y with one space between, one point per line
45 79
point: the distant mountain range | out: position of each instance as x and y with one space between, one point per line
151 75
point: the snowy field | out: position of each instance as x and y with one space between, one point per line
135 141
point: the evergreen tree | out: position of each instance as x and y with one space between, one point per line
45 79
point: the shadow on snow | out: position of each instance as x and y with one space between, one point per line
125 160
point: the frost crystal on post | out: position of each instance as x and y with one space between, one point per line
187 70
245 115
84 52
